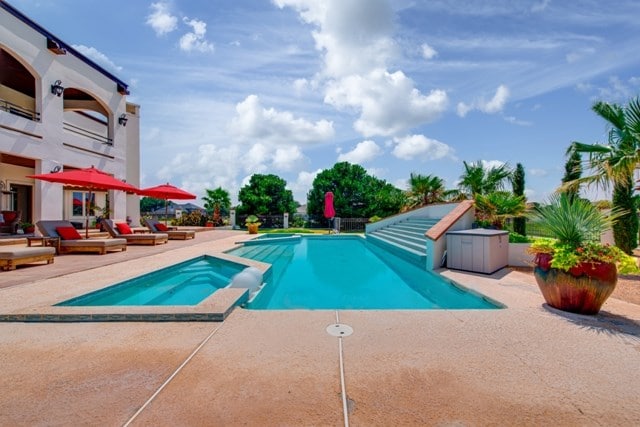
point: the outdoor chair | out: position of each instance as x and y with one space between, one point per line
71 241
9 221
174 234
120 229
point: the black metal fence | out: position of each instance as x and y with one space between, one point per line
308 221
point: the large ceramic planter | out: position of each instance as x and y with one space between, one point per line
582 290
253 228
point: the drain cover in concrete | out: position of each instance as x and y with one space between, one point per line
339 330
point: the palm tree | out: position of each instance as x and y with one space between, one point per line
425 189
495 207
477 179
615 162
214 201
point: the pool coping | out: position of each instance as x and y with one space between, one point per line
52 291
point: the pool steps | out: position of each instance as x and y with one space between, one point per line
405 238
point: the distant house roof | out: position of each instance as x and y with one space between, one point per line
58 46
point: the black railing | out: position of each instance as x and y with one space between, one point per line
86 133
19 111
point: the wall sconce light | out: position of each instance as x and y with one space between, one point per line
56 88
123 119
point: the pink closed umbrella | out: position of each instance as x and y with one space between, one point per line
329 211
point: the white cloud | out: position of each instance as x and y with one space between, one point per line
302 185
364 152
286 159
577 55
428 52
538 172
517 121
388 102
98 57
354 35
161 19
539 7
420 147
194 40
490 164
494 105
253 123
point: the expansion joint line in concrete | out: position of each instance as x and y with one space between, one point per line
345 410
172 376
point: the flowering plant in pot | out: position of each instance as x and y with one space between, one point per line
574 271
252 222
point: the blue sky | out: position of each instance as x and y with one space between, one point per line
230 88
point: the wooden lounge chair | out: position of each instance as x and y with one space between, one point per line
54 228
12 257
174 234
120 229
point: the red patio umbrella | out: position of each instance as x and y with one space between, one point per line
90 178
166 192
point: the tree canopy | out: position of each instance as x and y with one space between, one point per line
150 204
356 194
266 195
478 179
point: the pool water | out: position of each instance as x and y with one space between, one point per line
186 283
346 272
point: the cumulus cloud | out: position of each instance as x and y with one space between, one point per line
253 122
98 57
492 106
364 152
354 35
286 159
195 40
302 184
388 102
356 40
161 19
420 147
428 52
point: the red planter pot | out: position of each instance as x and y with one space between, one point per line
583 290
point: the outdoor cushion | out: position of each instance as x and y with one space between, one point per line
68 233
161 227
124 228
9 216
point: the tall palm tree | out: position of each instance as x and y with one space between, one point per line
215 201
478 179
614 162
425 189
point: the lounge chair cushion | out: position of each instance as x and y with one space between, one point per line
161 227
68 233
124 228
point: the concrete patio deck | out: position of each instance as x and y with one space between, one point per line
527 364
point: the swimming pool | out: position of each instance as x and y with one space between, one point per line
346 272
186 283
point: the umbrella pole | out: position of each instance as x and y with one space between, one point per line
166 211
86 217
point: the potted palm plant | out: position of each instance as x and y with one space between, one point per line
252 222
574 271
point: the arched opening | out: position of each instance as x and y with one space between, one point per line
17 87
85 116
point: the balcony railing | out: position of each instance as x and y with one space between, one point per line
19 111
87 133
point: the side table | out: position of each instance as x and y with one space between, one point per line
44 241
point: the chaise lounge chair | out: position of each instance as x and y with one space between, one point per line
120 229
158 227
71 241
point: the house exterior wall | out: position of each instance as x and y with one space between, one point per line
53 139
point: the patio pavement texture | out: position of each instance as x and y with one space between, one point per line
527 364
